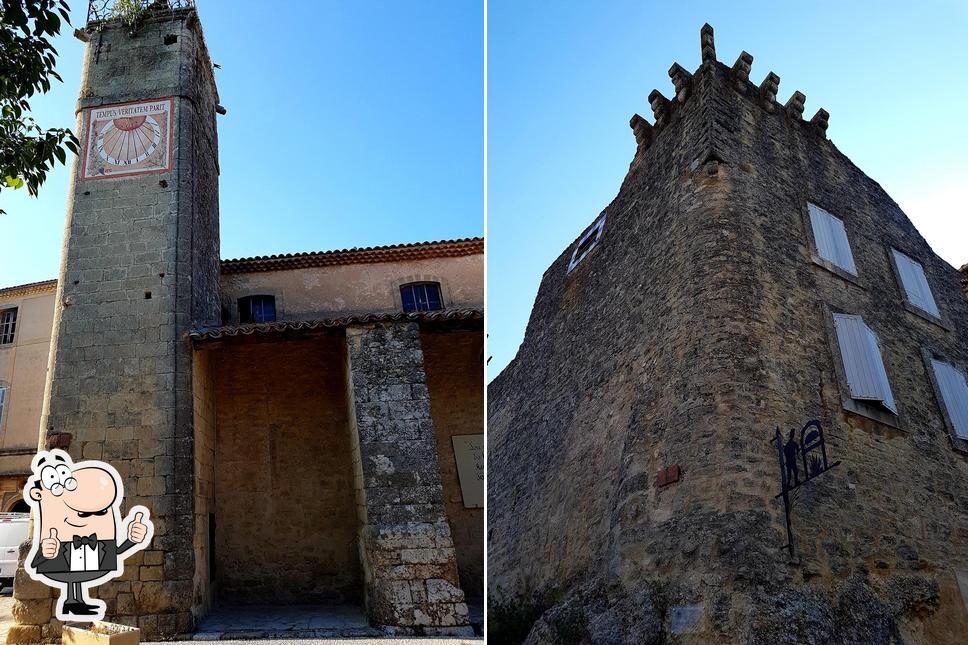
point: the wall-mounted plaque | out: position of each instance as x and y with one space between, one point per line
128 139
469 452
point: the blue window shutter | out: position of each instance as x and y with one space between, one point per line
433 297
915 283
409 301
954 395
863 364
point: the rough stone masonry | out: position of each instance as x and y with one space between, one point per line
631 478
140 271
120 378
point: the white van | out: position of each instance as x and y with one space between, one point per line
13 531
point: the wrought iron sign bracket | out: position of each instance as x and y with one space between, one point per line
811 452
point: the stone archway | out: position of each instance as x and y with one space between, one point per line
18 505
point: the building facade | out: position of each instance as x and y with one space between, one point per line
330 404
26 319
746 280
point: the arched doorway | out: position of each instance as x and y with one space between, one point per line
20 506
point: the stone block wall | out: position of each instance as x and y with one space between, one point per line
455 382
203 421
562 415
405 540
286 523
120 377
708 329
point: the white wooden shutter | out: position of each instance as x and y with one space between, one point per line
861 353
3 400
954 393
915 283
831 238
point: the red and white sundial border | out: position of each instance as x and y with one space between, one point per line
88 121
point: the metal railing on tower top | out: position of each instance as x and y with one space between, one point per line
98 10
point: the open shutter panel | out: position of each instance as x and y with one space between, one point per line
845 259
866 376
915 283
822 233
877 361
831 238
954 393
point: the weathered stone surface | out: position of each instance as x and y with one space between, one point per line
695 327
121 379
395 446
284 474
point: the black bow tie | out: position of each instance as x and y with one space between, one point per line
80 540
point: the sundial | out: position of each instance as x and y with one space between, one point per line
128 139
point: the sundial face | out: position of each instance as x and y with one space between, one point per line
128 139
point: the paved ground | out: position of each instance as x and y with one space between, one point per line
349 641
285 620
278 620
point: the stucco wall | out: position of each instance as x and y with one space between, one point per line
354 288
286 524
455 381
23 369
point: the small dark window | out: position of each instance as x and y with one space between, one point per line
423 296
587 242
257 309
8 325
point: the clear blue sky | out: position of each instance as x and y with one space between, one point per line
563 83
382 133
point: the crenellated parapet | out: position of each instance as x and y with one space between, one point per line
686 85
741 68
768 89
794 107
707 43
643 131
680 79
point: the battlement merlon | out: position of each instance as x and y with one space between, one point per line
178 25
686 83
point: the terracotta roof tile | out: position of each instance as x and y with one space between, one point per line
364 255
30 287
203 334
361 255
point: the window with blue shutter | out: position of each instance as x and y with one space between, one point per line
257 309
421 296
861 354
831 239
954 395
915 284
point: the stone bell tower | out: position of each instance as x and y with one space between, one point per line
139 267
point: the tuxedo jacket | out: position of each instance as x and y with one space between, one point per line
108 551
